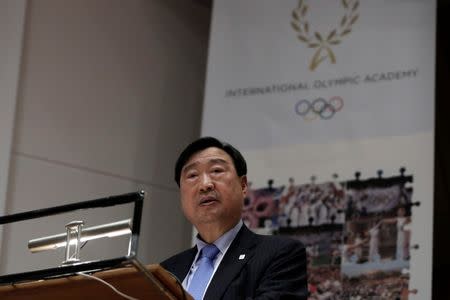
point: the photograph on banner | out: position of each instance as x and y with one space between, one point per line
377 237
272 208
356 232
323 248
261 207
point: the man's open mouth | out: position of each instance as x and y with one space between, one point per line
207 200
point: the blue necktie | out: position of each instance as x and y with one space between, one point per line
204 271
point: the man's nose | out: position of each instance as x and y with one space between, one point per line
206 183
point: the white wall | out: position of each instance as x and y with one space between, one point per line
109 93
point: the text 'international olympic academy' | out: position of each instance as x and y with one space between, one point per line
321 84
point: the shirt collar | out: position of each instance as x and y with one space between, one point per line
224 241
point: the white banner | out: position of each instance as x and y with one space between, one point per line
12 16
314 92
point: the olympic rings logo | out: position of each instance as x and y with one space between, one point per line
319 108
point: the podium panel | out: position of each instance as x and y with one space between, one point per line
127 280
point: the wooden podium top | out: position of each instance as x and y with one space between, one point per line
127 280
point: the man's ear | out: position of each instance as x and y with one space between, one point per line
244 185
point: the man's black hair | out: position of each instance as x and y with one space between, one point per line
206 142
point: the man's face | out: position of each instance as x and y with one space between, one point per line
211 191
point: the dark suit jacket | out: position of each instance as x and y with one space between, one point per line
274 267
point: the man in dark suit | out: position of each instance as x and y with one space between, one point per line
212 178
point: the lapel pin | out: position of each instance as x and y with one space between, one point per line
241 257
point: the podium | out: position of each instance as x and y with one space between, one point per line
72 279
161 286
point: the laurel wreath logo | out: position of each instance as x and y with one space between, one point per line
316 40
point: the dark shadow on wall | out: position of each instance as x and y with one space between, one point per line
441 236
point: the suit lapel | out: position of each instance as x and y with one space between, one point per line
237 255
183 264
